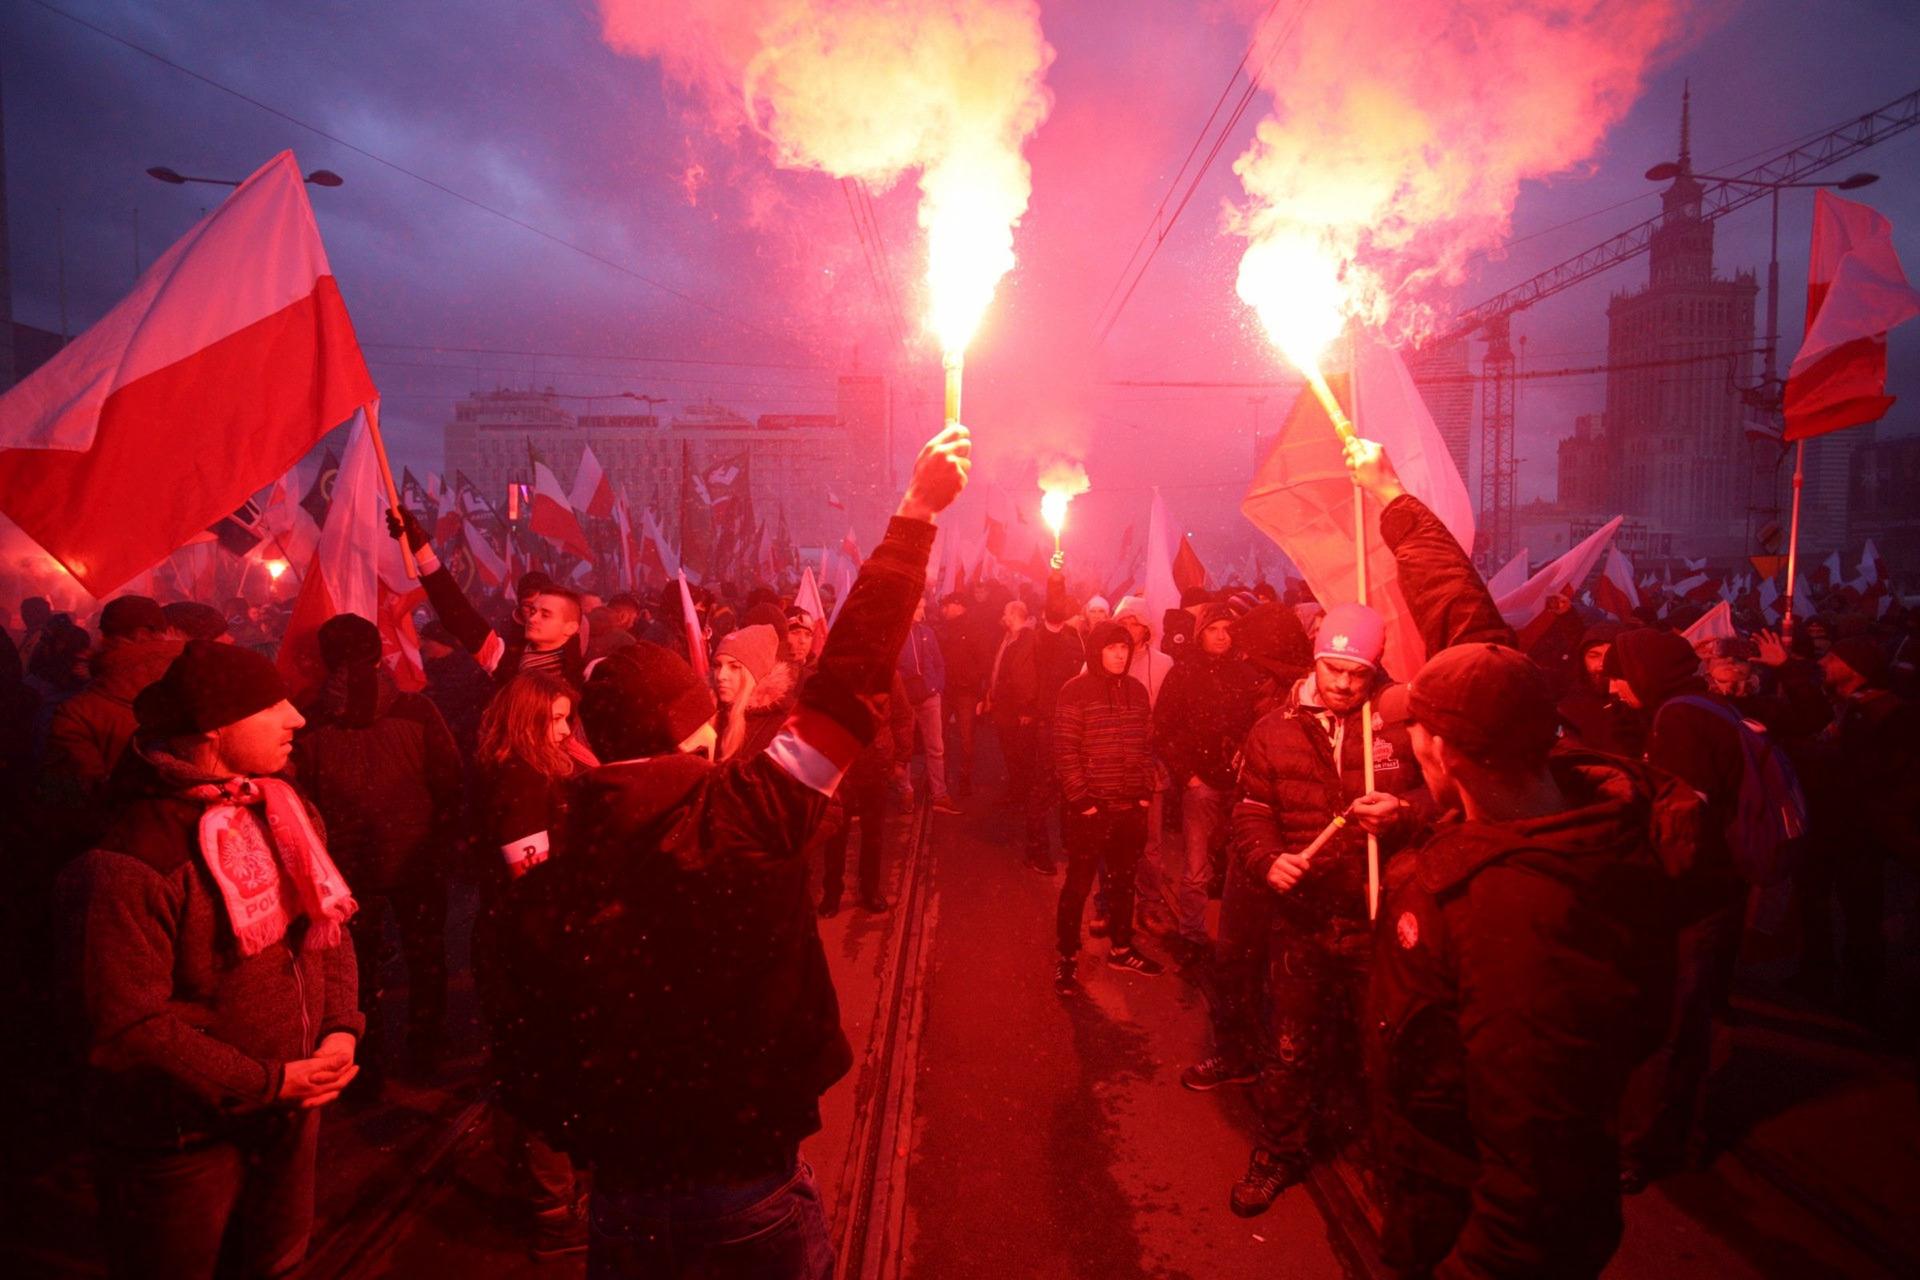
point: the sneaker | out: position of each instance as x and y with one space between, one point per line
1157 921
1267 1176
1132 961
830 907
1063 983
1210 1073
1098 926
945 804
558 1233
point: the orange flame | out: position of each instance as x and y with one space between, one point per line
275 568
1061 481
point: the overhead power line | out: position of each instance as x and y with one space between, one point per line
399 168
1443 379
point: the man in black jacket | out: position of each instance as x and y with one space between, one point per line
1304 765
674 1022
1104 760
1521 953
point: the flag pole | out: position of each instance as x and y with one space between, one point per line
1793 534
386 477
1360 575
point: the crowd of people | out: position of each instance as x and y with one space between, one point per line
1573 830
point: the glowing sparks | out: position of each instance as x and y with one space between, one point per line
275 568
1053 509
1296 287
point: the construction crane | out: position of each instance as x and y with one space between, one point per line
1719 196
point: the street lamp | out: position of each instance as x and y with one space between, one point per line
160 172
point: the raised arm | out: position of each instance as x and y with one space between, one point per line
449 602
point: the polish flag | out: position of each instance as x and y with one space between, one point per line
1560 577
1856 292
552 515
1302 497
834 502
1615 591
592 490
696 637
625 526
486 561
807 599
357 569
1162 592
1511 577
1715 624
230 357
1188 570
655 554
850 547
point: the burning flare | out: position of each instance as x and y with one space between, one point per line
1400 134
1061 481
871 89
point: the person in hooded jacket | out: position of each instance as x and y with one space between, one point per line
1588 709
1199 722
1102 731
1303 765
674 1022
384 771
1523 952
754 688
1033 665
1657 673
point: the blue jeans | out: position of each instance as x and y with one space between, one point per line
1203 813
773 1229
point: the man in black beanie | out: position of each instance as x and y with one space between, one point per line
673 1022
1520 954
207 944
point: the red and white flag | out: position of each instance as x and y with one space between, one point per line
696 635
834 502
552 516
1615 592
1856 292
488 563
1715 624
807 599
625 525
1511 576
1560 577
357 569
1302 497
592 490
230 357
1162 592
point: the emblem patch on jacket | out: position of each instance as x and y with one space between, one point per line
1407 929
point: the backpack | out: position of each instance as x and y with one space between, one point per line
1766 832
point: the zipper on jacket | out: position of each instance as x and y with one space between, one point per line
306 1023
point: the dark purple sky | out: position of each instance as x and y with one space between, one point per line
521 108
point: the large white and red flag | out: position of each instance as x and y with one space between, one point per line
357 569
488 564
552 516
1856 292
592 489
1715 624
625 525
1615 591
1511 576
230 357
1302 497
1162 591
1560 577
695 633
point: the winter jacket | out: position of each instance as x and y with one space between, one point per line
1205 708
184 1036
461 689
768 707
967 648
91 729
383 769
1520 971
1290 788
1033 670
672 1019
1871 775
921 665
1102 732
500 655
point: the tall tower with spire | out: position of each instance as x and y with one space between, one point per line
1674 423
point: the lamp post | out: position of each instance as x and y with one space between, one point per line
160 173
1770 395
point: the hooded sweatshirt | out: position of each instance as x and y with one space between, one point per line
1103 730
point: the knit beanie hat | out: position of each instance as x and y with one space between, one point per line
346 639
210 685
127 614
1099 602
196 621
1132 607
756 648
1195 596
643 701
1355 632
1865 656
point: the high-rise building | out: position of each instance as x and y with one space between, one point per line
1448 390
1674 423
1584 466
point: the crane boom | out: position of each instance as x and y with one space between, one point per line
1717 200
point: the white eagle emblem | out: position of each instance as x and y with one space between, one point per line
1340 642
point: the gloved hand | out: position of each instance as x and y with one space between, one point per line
402 521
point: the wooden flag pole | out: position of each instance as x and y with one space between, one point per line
393 493
1360 574
1793 535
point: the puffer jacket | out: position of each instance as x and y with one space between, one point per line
672 1018
1291 787
1201 719
185 1037
1103 730
383 769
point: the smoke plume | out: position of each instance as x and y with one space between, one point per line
875 89
1402 129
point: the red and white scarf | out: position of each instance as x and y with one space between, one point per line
261 847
